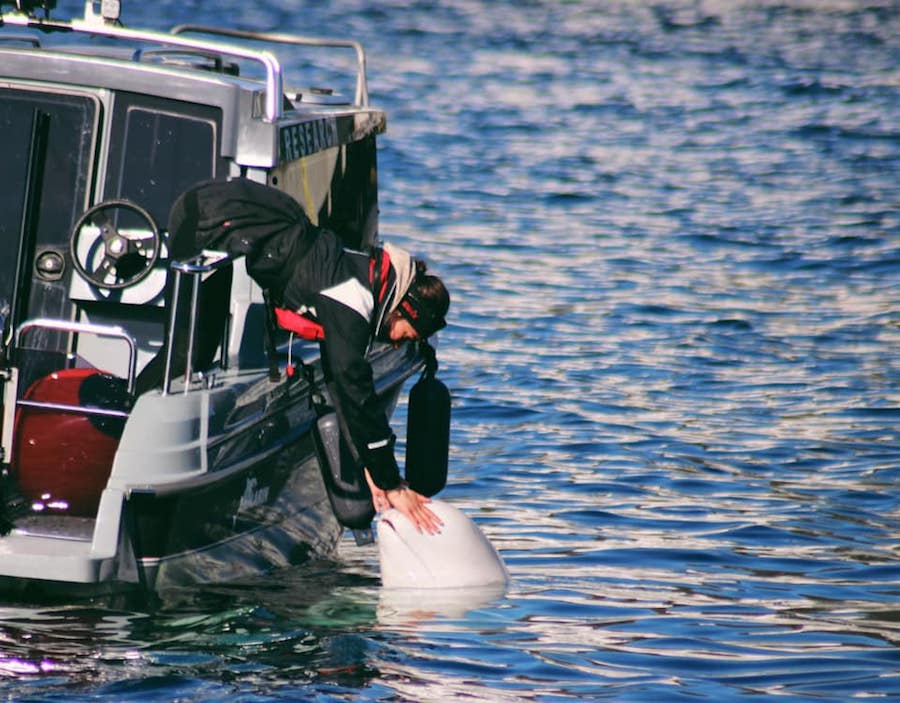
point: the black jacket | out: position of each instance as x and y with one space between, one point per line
302 266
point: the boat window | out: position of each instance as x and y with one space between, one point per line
158 150
67 170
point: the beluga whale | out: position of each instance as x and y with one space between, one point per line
460 556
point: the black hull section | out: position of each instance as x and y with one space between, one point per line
272 514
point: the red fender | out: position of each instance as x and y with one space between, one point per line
62 460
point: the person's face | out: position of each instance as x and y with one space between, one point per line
401 331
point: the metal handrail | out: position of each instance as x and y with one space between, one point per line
23 38
86 328
274 79
196 266
362 90
93 25
66 407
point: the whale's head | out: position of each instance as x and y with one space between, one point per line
459 556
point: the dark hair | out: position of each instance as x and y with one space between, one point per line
431 289
426 302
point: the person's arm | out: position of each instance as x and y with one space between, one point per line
350 376
344 347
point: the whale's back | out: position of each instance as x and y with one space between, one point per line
459 556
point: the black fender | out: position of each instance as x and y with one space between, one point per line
428 432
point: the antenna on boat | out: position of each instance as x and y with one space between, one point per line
97 12
28 7
102 11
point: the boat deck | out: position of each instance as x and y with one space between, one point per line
80 529
73 560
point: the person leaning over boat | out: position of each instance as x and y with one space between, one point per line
307 268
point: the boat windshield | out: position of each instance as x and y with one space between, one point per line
158 149
155 150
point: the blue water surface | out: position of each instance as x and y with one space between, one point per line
671 230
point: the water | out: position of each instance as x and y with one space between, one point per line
672 234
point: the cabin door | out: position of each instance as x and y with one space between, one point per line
49 142
16 128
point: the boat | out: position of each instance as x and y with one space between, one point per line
215 474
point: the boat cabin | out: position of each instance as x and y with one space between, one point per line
114 134
103 128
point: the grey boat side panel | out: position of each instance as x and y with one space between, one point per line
180 437
163 440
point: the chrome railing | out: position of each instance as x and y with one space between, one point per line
195 268
362 90
78 328
101 25
9 385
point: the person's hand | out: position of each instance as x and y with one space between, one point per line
413 505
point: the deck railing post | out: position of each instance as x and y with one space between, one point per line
170 332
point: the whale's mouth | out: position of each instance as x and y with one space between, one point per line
385 521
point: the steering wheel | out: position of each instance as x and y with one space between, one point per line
115 244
